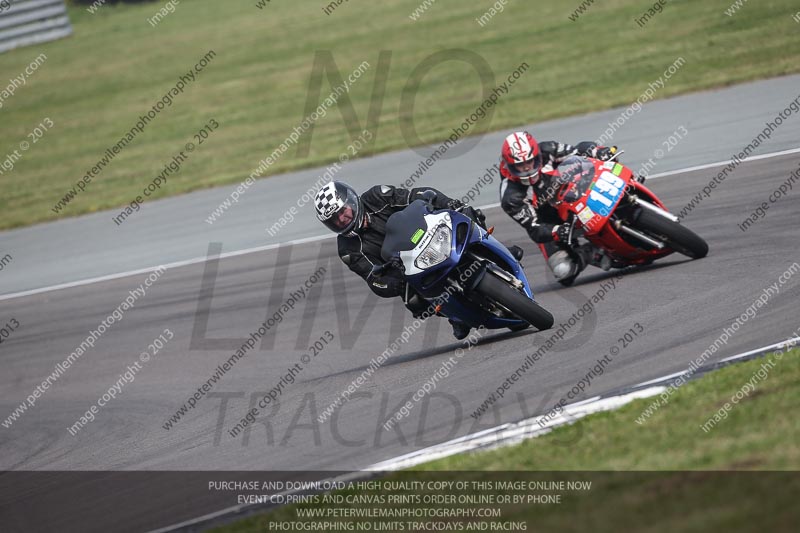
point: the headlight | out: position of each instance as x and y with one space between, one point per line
437 250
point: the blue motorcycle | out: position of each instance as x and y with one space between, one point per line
458 266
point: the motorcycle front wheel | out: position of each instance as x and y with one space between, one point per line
673 234
500 292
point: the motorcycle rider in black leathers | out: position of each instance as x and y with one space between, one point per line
524 166
360 222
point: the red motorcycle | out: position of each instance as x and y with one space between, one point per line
615 212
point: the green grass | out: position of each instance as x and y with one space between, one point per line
761 432
95 84
757 434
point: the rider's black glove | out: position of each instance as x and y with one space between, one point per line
604 153
390 283
561 233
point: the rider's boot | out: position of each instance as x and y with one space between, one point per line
564 265
599 258
416 303
460 329
516 251
591 255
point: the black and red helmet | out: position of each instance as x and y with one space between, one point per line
522 156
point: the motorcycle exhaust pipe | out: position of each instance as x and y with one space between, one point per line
639 235
654 209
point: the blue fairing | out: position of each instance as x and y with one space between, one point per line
431 283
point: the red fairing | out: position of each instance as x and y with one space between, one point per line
644 191
593 206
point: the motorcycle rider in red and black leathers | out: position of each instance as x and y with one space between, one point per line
526 167
360 222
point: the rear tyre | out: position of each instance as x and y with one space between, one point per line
515 301
567 282
678 237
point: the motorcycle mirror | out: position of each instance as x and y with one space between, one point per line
429 196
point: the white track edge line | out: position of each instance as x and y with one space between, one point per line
584 405
175 264
196 260
519 431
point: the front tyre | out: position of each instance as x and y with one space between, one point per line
500 292
678 237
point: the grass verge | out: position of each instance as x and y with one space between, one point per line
670 484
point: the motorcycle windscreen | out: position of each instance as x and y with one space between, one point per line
404 229
575 177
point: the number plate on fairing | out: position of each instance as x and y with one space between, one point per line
604 193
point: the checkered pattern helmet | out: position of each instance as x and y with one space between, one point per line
339 207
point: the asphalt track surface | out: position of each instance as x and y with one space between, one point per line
719 123
682 305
